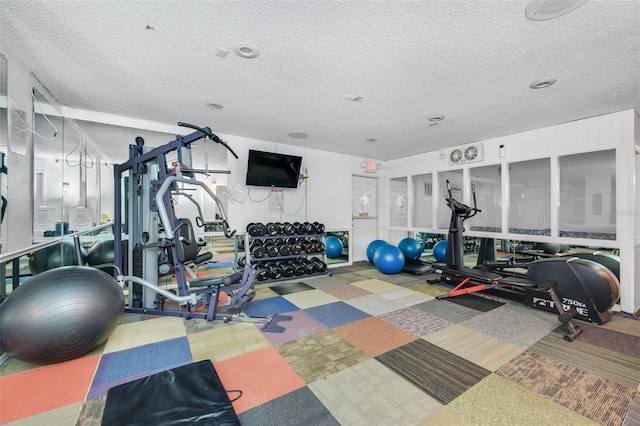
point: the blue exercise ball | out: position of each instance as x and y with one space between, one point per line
333 247
388 259
440 250
373 246
411 248
60 314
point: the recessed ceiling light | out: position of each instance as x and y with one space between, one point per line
213 105
298 135
436 118
541 84
541 10
246 50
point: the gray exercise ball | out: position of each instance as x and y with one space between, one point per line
60 314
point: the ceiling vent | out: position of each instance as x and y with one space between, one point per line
465 154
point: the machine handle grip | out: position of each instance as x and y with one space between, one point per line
227 231
211 135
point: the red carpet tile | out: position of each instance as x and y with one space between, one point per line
374 336
261 375
46 388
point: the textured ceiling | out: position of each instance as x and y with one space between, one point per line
469 60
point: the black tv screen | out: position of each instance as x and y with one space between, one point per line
272 169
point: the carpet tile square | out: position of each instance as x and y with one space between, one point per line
473 301
265 307
474 346
302 324
444 417
516 325
347 291
587 394
403 279
441 374
375 286
406 297
374 336
370 394
53 386
415 321
226 342
290 287
324 281
515 406
352 277
623 325
261 375
450 312
310 298
624 343
145 332
318 356
430 289
124 366
336 314
373 304
277 412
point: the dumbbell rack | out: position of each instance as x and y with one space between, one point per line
269 258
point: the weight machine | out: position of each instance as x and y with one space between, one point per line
150 185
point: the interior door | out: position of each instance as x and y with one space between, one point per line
364 213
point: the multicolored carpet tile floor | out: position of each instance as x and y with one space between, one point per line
361 348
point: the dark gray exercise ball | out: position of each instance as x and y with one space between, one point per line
61 254
60 314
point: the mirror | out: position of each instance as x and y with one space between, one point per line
530 197
3 147
340 251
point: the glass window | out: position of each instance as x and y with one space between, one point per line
530 197
588 195
423 201
399 202
455 180
487 183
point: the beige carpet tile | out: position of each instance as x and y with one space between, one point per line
614 366
450 312
623 325
135 334
376 286
374 336
225 342
373 273
407 297
370 394
91 412
310 298
374 304
430 289
474 346
352 277
444 417
633 415
495 401
585 393
63 416
514 324
320 355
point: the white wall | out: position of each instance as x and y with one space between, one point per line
611 131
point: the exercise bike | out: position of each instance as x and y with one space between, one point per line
574 287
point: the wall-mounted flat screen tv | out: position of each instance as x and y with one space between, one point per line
272 169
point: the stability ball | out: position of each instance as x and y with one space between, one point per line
440 250
411 248
373 246
388 259
333 246
548 248
62 254
60 314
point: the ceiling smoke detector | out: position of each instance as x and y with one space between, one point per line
541 10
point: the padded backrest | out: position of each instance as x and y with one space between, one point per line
186 244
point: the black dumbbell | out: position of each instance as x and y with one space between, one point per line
295 245
242 261
284 249
298 267
320 248
300 228
319 264
309 267
257 249
319 227
272 229
275 271
255 229
262 273
280 226
287 269
309 246
289 229
240 244
309 228
271 248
